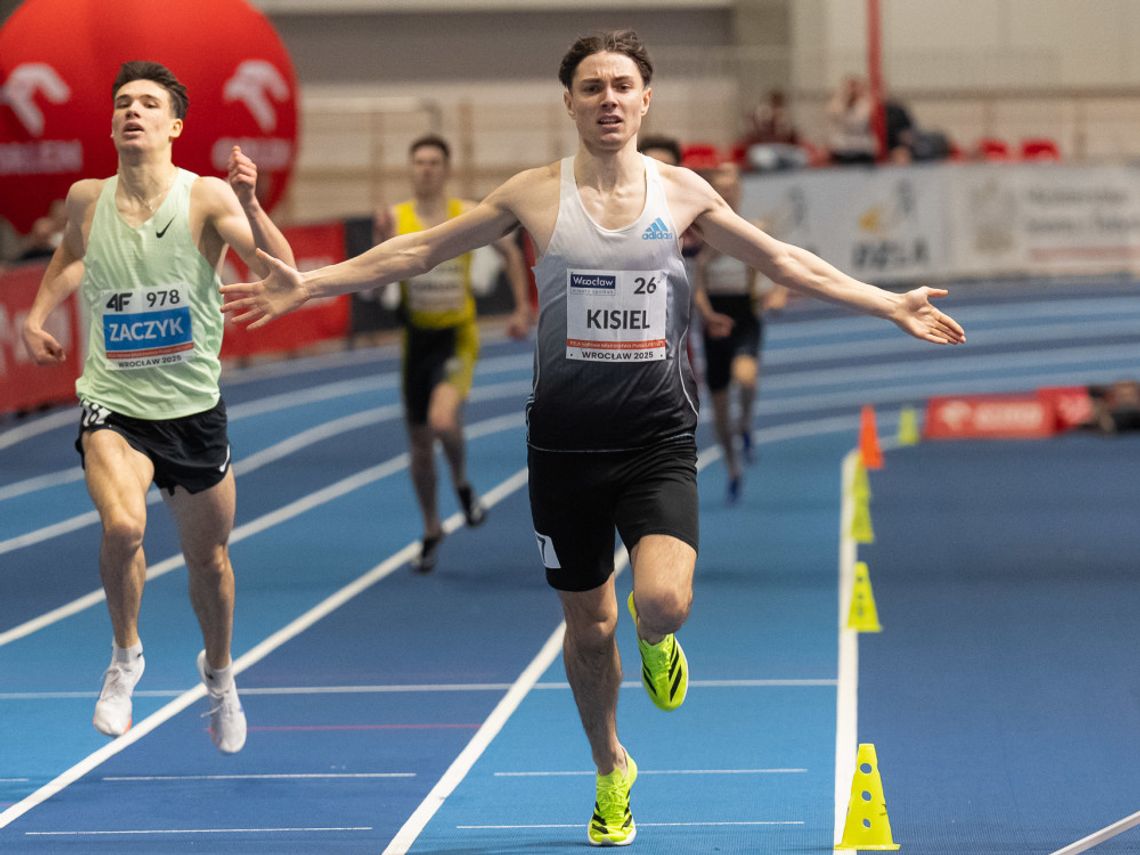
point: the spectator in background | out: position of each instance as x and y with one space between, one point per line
770 123
1116 408
851 139
906 141
772 141
46 234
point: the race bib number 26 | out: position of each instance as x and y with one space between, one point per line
147 328
616 315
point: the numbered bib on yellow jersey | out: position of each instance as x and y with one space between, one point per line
147 327
616 315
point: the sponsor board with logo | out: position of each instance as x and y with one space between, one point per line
950 220
1029 415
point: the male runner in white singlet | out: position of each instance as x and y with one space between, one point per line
612 414
143 248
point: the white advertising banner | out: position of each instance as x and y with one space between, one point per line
1043 218
954 219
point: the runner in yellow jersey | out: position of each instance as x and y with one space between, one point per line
441 340
142 250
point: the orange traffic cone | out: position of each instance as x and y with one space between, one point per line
869 439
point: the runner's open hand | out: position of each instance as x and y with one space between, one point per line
918 316
282 291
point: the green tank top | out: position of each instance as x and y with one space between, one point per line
151 304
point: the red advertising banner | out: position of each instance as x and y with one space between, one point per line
23 384
1031 415
313 247
988 417
1071 405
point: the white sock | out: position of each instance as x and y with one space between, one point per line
126 655
220 680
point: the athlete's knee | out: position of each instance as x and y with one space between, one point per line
123 532
209 565
443 422
587 633
665 610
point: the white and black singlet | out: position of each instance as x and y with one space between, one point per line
611 370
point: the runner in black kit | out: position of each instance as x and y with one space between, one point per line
612 413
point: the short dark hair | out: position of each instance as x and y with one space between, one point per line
664 143
160 74
625 42
430 140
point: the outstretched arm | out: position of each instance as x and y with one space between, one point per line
802 271
401 257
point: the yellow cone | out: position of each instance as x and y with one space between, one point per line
908 426
862 614
861 484
861 531
867 826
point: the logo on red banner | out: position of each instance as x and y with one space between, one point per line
1026 416
55 92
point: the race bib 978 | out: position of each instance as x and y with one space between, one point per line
147 328
616 315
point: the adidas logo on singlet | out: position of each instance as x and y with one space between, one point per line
657 231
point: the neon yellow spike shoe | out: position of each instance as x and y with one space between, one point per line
664 668
612 823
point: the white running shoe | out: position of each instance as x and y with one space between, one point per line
113 709
227 720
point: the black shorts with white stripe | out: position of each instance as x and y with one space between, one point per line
192 452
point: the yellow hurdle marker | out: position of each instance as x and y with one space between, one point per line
861 484
867 827
861 531
908 426
862 614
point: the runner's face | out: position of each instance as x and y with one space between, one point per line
607 100
429 171
143 119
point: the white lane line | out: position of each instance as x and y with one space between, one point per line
490 728
413 688
41 425
274 453
1098 837
847 694
299 776
727 823
287 512
41 482
640 772
462 764
251 657
147 831
506 707
904 347
967 365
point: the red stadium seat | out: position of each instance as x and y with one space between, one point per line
1039 148
991 148
700 156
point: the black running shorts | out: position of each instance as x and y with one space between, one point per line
434 356
192 452
744 340
577 499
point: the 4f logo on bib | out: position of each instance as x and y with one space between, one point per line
147 328
616 315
